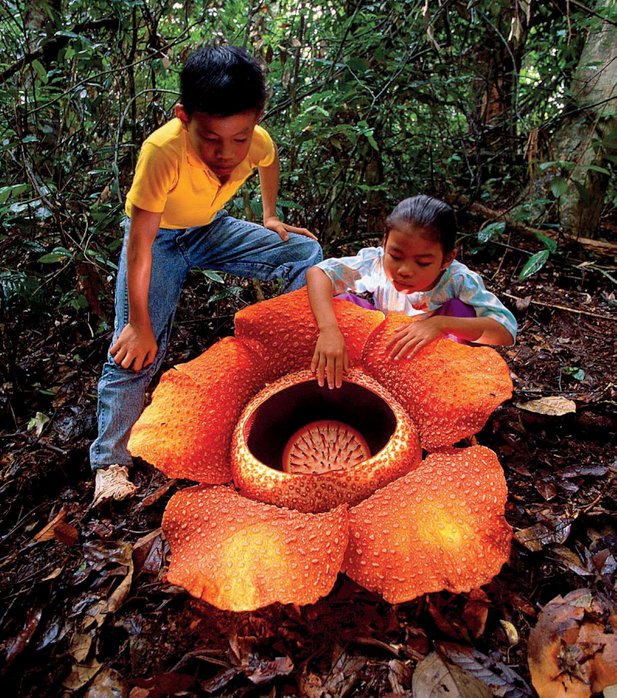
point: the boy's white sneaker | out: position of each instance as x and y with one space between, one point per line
112 483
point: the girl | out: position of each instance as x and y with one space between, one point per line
413 272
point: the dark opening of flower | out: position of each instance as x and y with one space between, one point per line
275 414
303 428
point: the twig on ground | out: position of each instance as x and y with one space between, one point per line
562 307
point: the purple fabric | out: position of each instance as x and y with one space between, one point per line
356 300
452 308
456 308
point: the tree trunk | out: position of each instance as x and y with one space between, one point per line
584 139
498 60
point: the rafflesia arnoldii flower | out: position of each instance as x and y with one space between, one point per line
301 482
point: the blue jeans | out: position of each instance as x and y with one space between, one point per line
226 245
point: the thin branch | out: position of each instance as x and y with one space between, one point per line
593 12
556 306
56 43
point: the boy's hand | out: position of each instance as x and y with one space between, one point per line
135 347
273 223
409 339
330 359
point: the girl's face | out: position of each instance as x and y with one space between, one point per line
412 261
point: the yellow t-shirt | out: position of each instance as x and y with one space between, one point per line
171 179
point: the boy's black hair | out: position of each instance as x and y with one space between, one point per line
222 81
432 215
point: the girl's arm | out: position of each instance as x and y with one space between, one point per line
409 339
136 345
330 358
269 183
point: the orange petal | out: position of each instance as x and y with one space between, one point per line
442 526
186 430
285 326
396 449
450 389
240 555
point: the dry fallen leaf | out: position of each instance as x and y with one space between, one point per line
510 631
434 677
501 680
571 654
554 406
80 647
47 532
81 674
16 645
107 684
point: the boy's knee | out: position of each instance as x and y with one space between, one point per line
114 371
313 253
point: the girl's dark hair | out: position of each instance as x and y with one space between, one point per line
222 81
432 215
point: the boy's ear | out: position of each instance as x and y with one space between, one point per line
448 259
181 114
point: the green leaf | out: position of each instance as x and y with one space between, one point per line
574 372
534 264
549 243
372 141
51 258
564 164
40 71
58 254
13 190
559 186
491 229
38 422
545 165
213 276
597 168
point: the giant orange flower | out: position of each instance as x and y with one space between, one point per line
301 482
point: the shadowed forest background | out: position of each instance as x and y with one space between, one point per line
504 108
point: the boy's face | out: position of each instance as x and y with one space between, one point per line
221 142
412 261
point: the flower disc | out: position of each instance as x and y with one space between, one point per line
324 445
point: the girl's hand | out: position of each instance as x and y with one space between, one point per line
409 339
330 359
273 223
135 347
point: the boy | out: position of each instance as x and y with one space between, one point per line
187 170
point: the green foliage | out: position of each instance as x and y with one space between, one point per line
534 264
370 101
488 231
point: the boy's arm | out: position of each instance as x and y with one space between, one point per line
409 339
136 345
269 182
330 357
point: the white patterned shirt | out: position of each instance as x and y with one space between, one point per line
365 273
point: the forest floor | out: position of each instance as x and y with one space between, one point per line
85 608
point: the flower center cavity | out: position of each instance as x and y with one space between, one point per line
303 428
